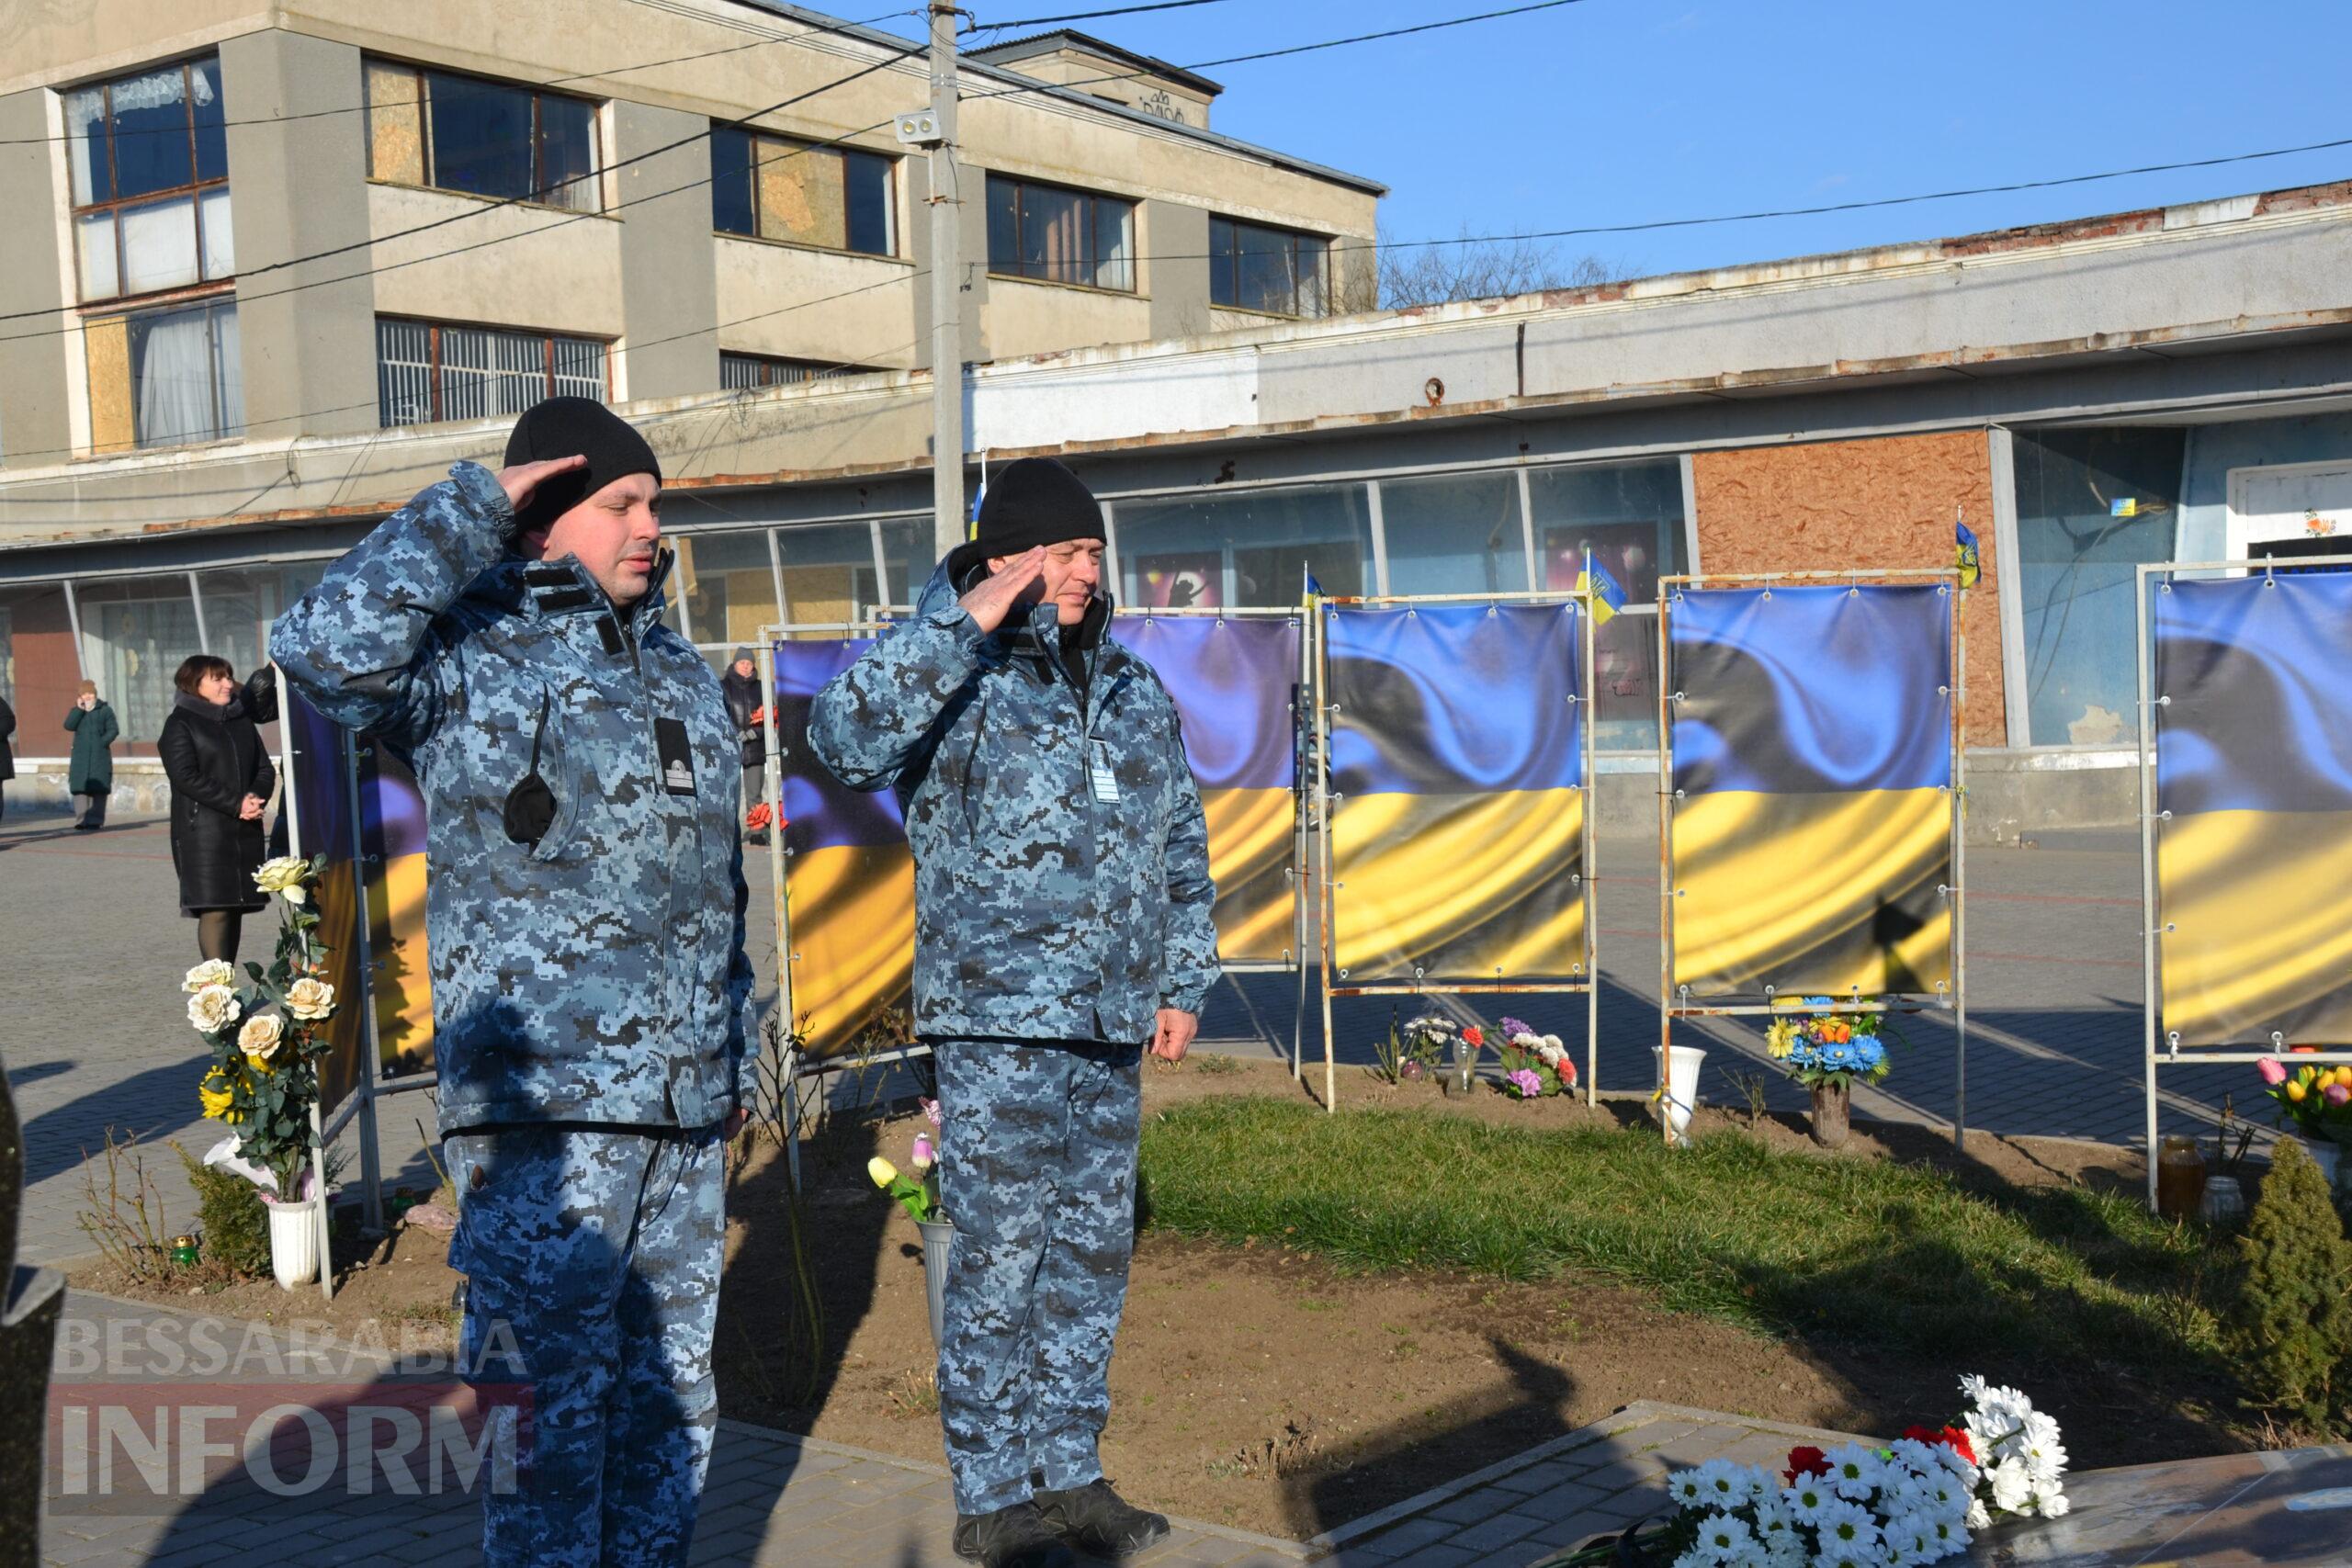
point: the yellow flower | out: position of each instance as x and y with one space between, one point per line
882 1171
258 1063
217 1095
1781 1038
2297 1093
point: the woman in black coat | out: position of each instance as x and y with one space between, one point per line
7 758
744 701
220 784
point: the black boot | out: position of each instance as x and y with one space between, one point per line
1016 1537
1094 1518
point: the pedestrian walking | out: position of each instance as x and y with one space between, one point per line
221 780
744 703
502 635
1062 901
89 772
7 756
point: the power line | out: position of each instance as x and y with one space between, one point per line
1090 16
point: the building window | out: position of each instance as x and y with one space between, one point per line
1629 516
1251 549
1454 534
462 133
737 371
166 378
426 372
1252 267
1061 236
2092 505
765 187
150 167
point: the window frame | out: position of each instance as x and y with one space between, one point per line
1088 227
421 106
1297 238
811 369
755 135
434 365
212 305
115 206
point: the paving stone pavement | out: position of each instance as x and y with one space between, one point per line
771 1499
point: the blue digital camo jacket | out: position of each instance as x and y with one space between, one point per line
586 940
1043 909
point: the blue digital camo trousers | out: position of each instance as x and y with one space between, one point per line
593 1254
1037 1170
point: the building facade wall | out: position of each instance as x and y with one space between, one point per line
1876 505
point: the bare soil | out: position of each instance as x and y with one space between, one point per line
1256 1386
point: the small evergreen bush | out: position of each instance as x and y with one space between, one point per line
2292 1321
229 1213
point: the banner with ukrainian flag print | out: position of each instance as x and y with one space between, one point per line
1810 830
849 873
2254 799
1457 761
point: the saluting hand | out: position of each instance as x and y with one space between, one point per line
520 480
992 599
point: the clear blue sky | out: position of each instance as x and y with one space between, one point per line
1612 111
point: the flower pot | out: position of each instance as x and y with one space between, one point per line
1681 1077
2325 1154
938 1236
2224 1200
294 1242
1833 1107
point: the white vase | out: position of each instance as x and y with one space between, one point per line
1681 1080
294 1242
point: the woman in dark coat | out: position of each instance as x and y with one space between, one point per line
89 773
742 685
221 783
7 758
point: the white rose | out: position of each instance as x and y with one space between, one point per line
285 875
213 1009
262 1035
211 972
2011 1484
309 999
1978 1516
2054 1506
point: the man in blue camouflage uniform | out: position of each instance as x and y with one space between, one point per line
1062 924
584 912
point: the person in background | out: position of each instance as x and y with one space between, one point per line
221 783
90 772
744 701
259 696
7 760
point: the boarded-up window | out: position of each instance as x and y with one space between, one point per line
164 377
395 126
767 187
484 138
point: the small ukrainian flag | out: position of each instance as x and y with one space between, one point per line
1601 590
1965 556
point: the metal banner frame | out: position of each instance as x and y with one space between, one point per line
795 1067
2151 893
1669 1007
1318 823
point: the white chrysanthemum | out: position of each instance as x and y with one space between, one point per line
1844 1527
1978 1516
211 972
1908 1539
1729 1539
1855 1473
2012 1484
1807 1496
1695 1558
1688 1488
2050 1505
213 1009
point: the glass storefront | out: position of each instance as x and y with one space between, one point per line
1254 548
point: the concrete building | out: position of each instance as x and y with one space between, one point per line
2169 383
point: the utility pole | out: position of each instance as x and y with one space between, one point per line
947 291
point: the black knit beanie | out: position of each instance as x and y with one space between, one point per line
566 427
1036 501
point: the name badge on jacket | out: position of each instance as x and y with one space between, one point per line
676 756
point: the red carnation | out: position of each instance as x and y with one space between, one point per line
1474 1035
1952 1438
1806 1461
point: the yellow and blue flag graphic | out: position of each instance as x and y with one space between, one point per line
1812 765
1604 593
2254 794
1966 556
1457 758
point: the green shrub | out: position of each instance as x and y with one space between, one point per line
2292 1319
231 1216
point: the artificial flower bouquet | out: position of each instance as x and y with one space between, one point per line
2315 1099
1534 1064
1832 1048
1415 1051
917 1193
1913 1501
266 1037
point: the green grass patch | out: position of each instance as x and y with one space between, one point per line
1852 1251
